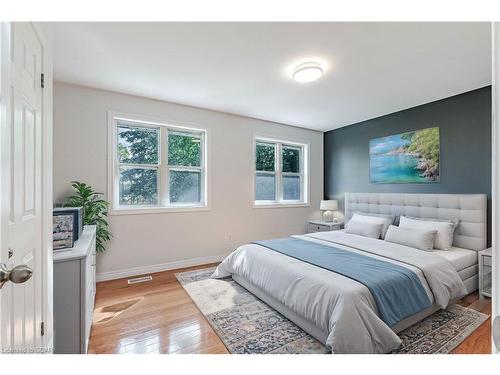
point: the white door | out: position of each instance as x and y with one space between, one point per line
21 210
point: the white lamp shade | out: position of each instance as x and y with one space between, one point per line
330 205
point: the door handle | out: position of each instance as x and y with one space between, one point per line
17 275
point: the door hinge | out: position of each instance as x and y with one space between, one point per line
42 329
43 80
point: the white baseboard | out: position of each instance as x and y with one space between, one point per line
135 271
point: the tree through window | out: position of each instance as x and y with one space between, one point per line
279 172
159 165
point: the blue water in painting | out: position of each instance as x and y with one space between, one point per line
394 169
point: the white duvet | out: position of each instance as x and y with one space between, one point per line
342 307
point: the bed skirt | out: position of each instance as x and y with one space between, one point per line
471 285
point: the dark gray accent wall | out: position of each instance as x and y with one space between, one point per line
465 162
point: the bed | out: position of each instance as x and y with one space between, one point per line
343 313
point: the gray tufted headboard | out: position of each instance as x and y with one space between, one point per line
469 209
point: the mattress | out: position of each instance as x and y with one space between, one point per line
463 260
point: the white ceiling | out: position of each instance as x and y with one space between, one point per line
371 69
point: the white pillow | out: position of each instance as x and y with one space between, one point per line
388 216
417 238
371 230
373 220
454 222
445 230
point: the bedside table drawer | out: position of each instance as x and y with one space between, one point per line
318 228
486 261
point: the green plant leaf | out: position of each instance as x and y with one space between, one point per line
95 211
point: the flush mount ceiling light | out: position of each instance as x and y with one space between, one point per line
308 72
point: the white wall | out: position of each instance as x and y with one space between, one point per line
149 242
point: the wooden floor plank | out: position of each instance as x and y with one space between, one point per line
166 320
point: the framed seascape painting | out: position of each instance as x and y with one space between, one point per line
406 158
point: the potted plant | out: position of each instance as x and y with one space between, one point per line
95 211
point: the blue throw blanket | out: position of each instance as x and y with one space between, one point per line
397 291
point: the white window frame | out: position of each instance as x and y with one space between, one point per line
303 173
164 204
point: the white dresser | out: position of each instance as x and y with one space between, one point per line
74 294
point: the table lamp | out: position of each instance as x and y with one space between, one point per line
329 206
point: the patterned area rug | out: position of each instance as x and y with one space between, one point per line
245 324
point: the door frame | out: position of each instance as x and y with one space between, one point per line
495 37
5 115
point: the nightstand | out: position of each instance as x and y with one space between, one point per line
323 226
484 273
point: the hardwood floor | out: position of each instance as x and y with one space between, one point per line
165 320
159 317
479 341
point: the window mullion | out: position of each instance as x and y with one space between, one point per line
302 191
185 168
137 165
301 173
279 181
266 172
163 167
203 168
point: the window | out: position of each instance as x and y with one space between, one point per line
280 175
157 166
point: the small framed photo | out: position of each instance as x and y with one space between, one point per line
77 213
62 230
